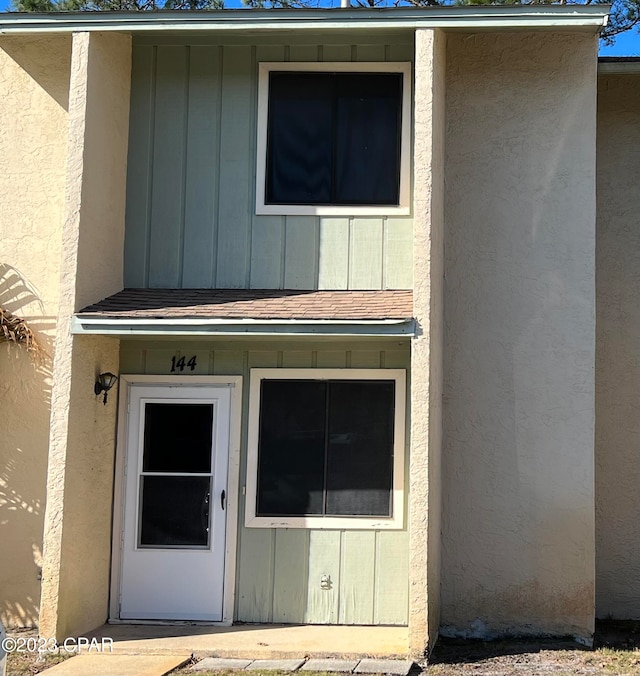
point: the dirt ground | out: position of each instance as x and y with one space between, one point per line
616 653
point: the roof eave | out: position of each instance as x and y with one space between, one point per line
492 17
630 67
123 327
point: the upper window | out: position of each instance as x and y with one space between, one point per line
333 138
326 448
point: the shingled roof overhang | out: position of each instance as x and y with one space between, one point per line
590 17
258 312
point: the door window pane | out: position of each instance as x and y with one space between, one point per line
177 438
174 511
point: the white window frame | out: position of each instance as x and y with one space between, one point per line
403 208
393 522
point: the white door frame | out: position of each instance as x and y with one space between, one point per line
233 492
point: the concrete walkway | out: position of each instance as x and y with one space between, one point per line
105 664
364 666
251 641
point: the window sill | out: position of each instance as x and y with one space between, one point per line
311 210
326 523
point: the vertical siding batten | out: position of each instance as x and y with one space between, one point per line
303 53
323 602
139 170
357 577
333 246
369 53
168 168
202 173
258 545
186 152
337 52
291 574
398 253
366 254
301 257
391 600
235 156
267 232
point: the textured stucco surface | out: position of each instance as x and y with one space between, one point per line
617 349
34 85
518 461
82 438
426 349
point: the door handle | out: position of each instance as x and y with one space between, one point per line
223 496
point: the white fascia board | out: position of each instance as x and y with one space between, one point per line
461 18
241 327
618 67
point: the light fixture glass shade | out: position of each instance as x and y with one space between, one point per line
107 380
104 383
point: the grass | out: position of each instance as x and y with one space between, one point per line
28 664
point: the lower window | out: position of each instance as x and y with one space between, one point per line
326 448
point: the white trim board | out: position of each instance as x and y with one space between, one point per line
396 520
403 208
240 327
590 18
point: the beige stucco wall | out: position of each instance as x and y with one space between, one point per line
426 349
617 349
82 439
518 461
34 87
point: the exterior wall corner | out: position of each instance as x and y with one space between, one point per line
77 536
426 353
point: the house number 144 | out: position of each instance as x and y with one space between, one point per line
181 364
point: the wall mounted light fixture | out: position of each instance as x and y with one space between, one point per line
104 383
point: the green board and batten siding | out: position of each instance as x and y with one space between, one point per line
279 570
191 223
191 219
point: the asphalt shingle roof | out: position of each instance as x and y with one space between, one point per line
253 304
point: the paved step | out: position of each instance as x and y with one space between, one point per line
220 663
342 666
275 665
105 664
364 666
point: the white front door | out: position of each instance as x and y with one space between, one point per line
173 545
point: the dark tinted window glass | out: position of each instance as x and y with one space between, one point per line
291 448
360 462
367 168
326 447
177 437
174 511
299 147
333 138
